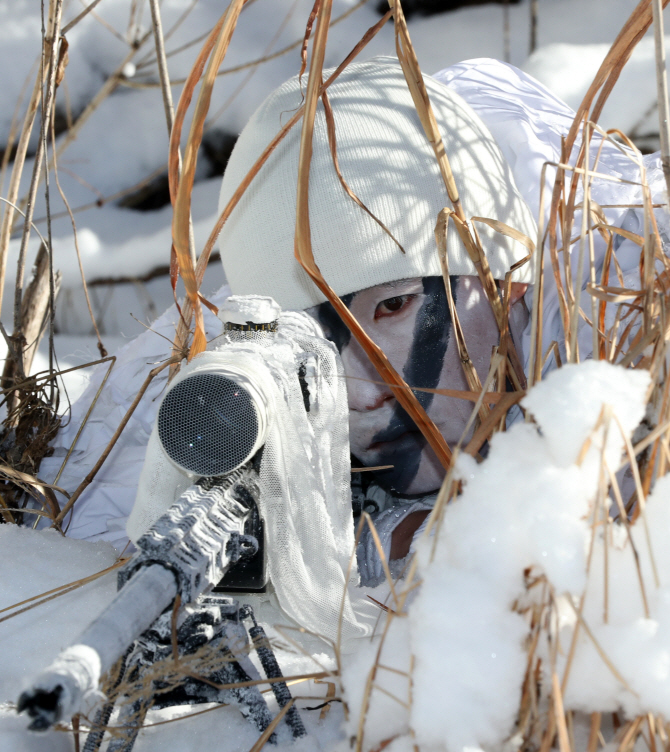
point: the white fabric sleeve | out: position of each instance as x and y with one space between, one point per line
528 122
103 508
370 564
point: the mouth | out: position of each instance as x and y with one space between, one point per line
386 440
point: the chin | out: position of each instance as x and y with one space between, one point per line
427 479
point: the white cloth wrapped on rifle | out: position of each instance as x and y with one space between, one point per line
305 497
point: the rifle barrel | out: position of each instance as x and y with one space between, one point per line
132 611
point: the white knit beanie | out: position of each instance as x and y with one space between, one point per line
387 161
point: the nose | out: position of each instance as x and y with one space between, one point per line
362 391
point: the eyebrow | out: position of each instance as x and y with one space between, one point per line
395 283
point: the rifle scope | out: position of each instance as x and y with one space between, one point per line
213 419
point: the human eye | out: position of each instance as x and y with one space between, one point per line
393 306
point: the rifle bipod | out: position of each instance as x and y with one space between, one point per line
217 620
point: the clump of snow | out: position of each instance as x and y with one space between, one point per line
569 69
568 405
35 562
636 643
527 508
384 716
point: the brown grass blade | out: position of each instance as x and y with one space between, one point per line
184 103
182 204
490 397
203 260
662 90
15 179
483 433
417 88
559 714
305 42
304 254
607 75
469 371
50 69
510 232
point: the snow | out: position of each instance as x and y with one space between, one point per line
569 69
568 405
528 509
384 718
637 644
29 643
115 242
13 736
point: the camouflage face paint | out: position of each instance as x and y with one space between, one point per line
401 444
334 328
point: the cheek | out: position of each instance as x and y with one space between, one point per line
398 355
479 327
395 340
449 413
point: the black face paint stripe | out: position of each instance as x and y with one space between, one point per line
423 368
431 339
335 329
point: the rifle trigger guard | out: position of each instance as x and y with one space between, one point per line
241 546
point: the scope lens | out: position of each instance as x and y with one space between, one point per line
207 424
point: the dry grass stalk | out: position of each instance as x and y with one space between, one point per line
332 142
181 222
135 84
34 310
625 347
47 103
27 414
471 375
15 179
50 76
606 77
303 251
467 233
415 83
32 409
203 260
101 347
10 144
39 600
161 59
165 675
490 398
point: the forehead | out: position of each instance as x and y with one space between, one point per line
396 287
